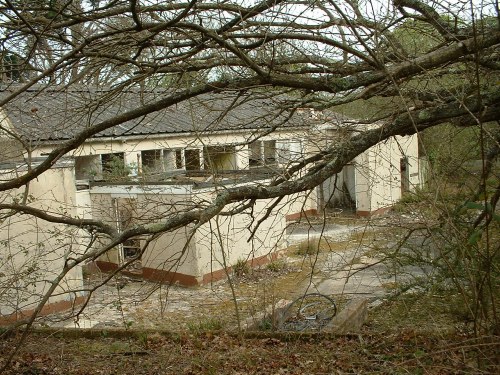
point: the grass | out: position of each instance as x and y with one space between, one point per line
315 246
241 268
309 247
205 325
277 266
391 352
422 312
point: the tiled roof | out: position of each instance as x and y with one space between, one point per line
47 115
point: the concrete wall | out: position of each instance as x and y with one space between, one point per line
227 240
374 180
195 257
382 175
173 253
33 251
132 146
172 258
168 258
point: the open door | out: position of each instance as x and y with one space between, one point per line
130 250
405 175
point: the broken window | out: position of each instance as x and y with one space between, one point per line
110 161
182 159
269 152
113 166
192 158
288 151
127 216
152 161
219 157
255 158
87 167
179 164
172 160
262 153
126 211
131 248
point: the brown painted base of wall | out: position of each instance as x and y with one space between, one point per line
380 211
314 212
254 262
49 308
106 266
169 277
152 274
298 215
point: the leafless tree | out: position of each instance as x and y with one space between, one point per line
415 63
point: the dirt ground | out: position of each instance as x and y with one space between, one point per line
133 303
401 352
143 328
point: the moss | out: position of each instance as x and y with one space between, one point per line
424 115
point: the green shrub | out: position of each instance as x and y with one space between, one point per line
208 324
241 268
277 265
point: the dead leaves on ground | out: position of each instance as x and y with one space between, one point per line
214 353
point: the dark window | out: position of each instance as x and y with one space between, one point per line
131 248
152 162
178 159
219 157
255 158
262 153
270 152
192 159
112 162
151 159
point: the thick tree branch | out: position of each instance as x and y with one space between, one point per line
62 219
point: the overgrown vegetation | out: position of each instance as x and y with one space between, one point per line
455 235
210 323
402 67
241 268
392 352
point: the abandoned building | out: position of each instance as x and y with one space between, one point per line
166 162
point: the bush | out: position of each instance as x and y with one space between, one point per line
277 266
308 247
241 268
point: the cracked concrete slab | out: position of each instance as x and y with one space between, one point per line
337 232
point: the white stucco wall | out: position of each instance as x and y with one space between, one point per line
32 251
225 240
152 204
174 251
376 182
383 174
197 253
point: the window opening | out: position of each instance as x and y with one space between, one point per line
219 157
111 162
192 159
255 158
